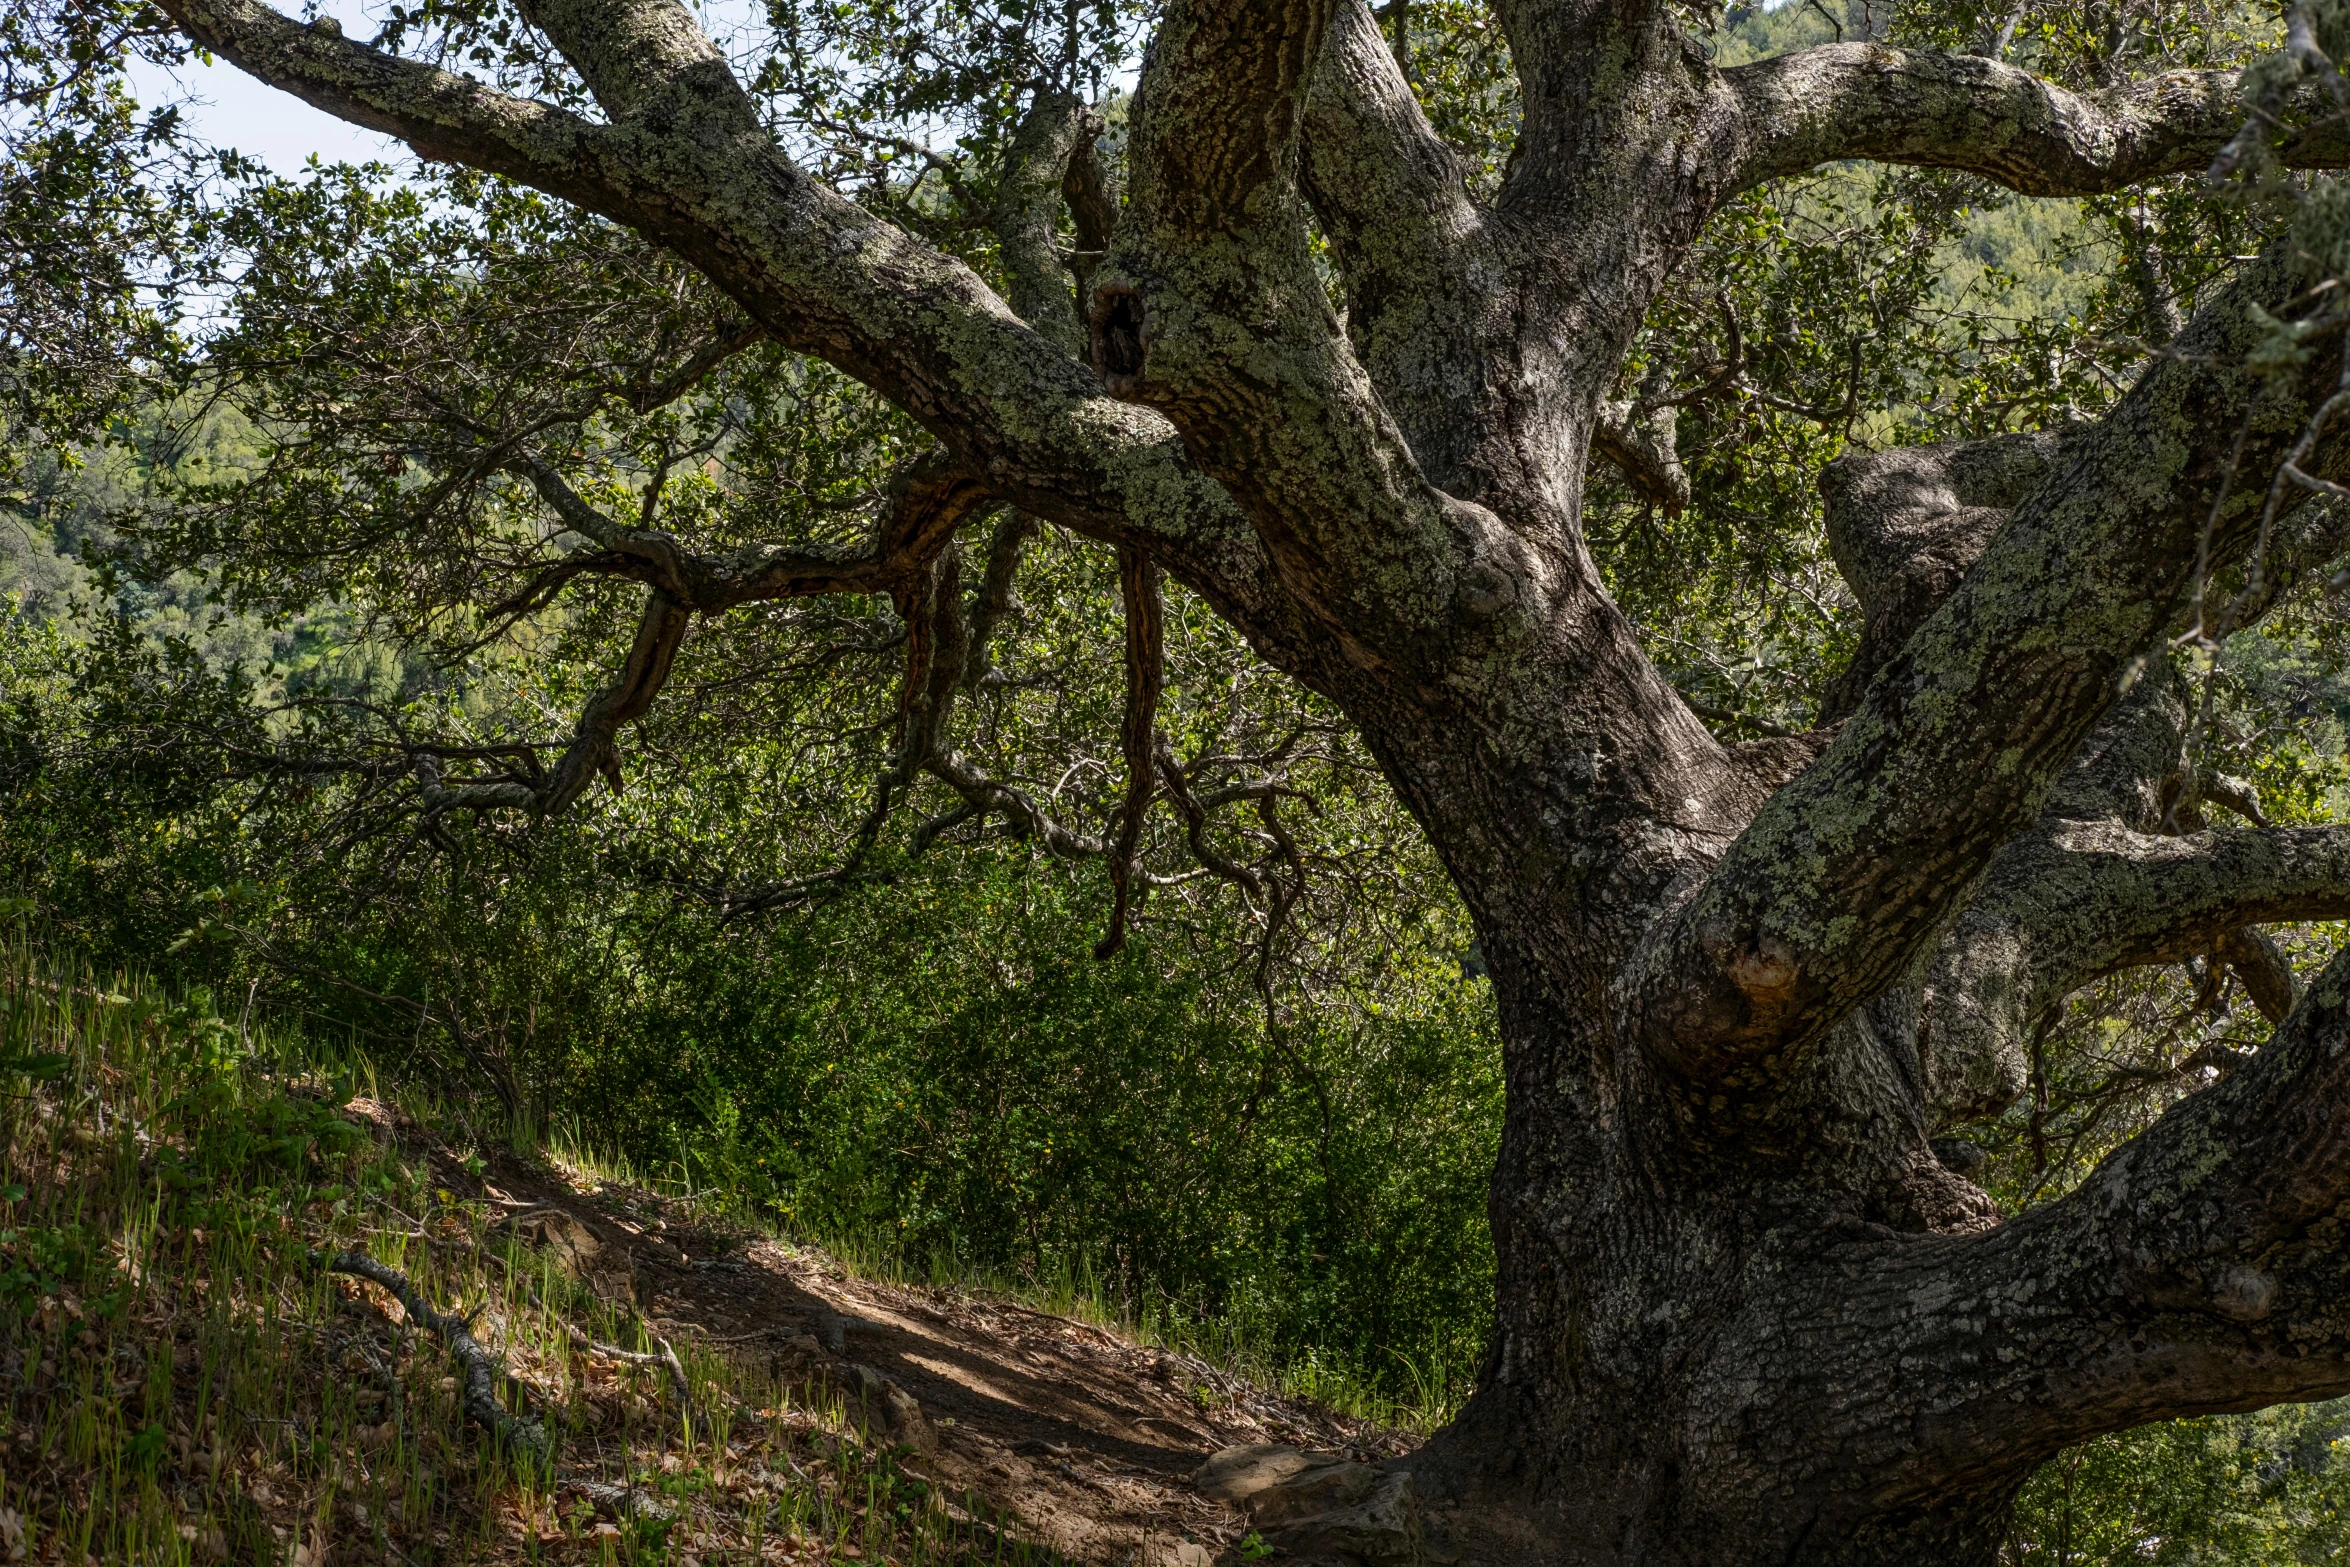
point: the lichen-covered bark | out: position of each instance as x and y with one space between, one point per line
1840 880
1906 524
2200 1270
1866 100
2071 901
1744 1313
2103 880
691 168
1056 134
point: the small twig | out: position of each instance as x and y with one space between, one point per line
666 1358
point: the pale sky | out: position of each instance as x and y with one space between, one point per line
227 108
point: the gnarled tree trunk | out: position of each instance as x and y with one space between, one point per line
1745 1314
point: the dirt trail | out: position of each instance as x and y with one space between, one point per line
1087 1440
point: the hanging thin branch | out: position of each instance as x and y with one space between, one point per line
1138 581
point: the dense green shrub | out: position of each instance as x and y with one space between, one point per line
931 1065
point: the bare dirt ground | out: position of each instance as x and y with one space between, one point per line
1086 1440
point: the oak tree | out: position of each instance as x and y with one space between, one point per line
1342 373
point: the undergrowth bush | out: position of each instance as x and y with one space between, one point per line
929 1067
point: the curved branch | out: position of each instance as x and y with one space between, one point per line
928 501
659 635
647 394
484 1371
1795 112
994 601
660 632
1195 825
2070 902
656 556
1014 804
2197 1270
821 275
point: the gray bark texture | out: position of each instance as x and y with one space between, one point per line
1745 1314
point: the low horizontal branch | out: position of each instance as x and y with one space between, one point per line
2070 902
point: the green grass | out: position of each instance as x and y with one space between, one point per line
185 1381
1226 1343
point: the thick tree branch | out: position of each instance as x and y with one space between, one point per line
441 115
1427 311
1850 868
820 274
2198 1270
659 635
1904 526
1388 191
643 57
1795 112
1589 72
1210 308
1027 219
1215 140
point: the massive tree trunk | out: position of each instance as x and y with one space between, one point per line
1745 1313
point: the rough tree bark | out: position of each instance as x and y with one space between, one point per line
1745 1313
